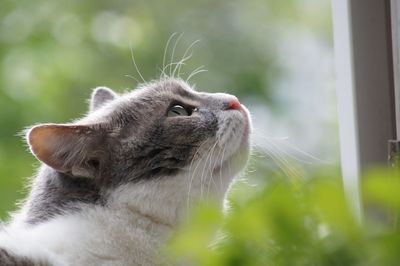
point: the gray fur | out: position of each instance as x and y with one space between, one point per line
9 259
55 193
130 140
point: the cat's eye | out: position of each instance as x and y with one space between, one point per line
177 110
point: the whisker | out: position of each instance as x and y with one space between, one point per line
132 77
278 162
179 64
220 168
173 52
289 165
211 175
165 53
192 173
285 141
169 65
185 53
271 142
287 153
220 154
195 72
210 151
291 146
293 173
215 164
136 67
163 75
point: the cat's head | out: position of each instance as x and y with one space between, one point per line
164 137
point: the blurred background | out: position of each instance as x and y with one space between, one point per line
276 56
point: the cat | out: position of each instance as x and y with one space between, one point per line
114 185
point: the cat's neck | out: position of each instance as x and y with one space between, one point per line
54 194
160 201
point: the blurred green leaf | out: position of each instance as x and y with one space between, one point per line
307 223
382 186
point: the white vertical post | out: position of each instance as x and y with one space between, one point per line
395 14
350 161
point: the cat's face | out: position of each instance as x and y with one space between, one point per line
163 130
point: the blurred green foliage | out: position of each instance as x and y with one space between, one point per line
297 223
53 52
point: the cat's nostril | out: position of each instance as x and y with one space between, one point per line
234 105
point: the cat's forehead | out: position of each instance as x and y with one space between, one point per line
162 93
166 87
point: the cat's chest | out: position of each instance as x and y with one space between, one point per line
98 237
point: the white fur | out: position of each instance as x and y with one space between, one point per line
128 231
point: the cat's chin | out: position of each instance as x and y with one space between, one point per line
234 163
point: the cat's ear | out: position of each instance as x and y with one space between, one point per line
100 96
67 148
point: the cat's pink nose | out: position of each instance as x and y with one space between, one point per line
234 104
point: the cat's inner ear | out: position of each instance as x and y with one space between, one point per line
67 148
100 96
